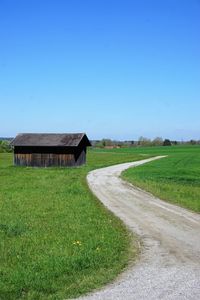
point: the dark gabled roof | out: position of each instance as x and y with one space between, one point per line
50 139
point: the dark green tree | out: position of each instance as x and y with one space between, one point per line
167 142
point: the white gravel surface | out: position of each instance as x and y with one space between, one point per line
169 264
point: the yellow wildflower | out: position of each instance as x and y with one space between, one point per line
77 243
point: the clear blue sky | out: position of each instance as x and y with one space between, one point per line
115 69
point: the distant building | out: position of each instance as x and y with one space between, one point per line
47 150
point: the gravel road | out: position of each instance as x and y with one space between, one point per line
169 264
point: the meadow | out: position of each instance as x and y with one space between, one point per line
175 178
56 240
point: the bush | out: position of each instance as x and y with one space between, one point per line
167 142
5 146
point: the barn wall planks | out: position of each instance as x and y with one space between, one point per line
49 159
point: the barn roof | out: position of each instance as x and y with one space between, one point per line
50 139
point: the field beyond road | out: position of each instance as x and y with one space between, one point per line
175 179
56 240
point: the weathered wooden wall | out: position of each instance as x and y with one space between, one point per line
30 156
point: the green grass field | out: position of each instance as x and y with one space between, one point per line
175 178
56 240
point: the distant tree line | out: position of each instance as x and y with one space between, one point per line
158 141
108 143
141 142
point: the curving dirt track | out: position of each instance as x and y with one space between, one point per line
169 264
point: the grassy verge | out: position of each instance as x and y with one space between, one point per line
175 179
56 240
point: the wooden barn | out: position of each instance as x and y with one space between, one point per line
47 150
